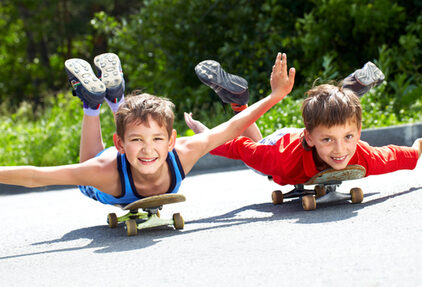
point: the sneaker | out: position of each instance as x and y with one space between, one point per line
110 72
230 88
362 80
85 84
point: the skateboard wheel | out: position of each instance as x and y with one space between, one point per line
112 220
320 191
179 223
357 195
131 227
277 197
308 202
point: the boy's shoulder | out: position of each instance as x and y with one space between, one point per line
105 162
188 151
107 155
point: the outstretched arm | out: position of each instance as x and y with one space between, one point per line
192 148
33 176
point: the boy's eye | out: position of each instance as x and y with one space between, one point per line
136 140
158 139
326 140
349 137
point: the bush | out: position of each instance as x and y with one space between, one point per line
47 136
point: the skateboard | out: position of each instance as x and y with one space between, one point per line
151 206
325 185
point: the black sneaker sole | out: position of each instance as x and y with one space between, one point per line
211 74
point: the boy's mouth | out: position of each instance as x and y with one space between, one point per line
147 161
339 159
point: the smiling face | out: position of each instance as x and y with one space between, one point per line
335 145
146 146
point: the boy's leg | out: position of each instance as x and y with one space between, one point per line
231 89
91 91
362 80
91 138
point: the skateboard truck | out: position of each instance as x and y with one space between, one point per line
326 183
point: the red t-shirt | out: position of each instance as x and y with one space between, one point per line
288 162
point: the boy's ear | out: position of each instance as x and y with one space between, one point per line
172 140
118 143
308 138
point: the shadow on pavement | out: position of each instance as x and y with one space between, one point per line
289 210
107 240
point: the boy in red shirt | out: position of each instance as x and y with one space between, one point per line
331 137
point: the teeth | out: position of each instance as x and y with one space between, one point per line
339 158
148 160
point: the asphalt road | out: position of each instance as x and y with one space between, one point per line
234 236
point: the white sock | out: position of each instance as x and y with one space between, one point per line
115 106
91 112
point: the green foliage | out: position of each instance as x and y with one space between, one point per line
160 41
49 136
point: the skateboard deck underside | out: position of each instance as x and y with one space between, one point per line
332 176
155 201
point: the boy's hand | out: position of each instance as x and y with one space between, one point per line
281 82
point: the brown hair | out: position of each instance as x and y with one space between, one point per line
329 105
139 107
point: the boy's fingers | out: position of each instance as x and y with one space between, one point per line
277 60
292 73
284 64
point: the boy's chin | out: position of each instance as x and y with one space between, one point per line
339 166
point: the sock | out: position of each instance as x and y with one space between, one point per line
90 111
115 106
238 108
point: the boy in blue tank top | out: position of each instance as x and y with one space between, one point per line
146 159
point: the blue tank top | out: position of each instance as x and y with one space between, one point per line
129 193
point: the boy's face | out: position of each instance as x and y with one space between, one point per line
146 146
335 145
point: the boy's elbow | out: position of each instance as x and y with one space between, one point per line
418 146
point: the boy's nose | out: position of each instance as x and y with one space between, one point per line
339 146
146 148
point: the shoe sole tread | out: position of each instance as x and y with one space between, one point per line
82 71
212 74
110 67
369 75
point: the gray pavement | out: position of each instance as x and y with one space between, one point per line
234 236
